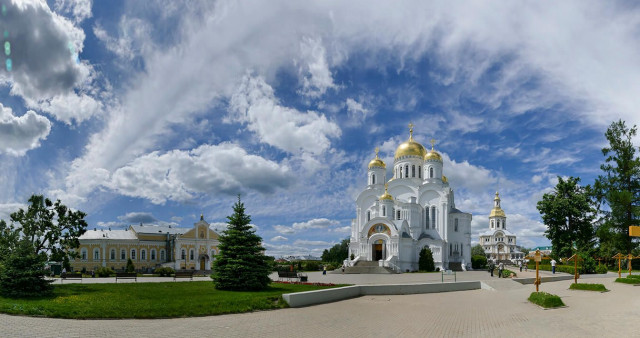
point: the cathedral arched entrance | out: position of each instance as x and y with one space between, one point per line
378 250
204 258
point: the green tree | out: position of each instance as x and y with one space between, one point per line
241 263
425 261
477 250
130 267
337 253
23 274
568 214
618 190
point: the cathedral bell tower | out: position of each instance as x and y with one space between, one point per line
377 172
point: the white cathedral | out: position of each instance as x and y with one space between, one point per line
413 210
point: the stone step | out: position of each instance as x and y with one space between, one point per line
367 270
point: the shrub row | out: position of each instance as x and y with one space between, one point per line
164 271
588 287
104 272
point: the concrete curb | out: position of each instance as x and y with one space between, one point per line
307 298
545 279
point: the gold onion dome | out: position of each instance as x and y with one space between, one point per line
410 147
497 211
386 195
377 162
444 179
433 154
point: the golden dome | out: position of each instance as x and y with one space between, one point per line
386 195
410 147
444 179
497 212
377 162
432 154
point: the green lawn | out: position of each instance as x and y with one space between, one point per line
588 287
149 300
546 300
628 280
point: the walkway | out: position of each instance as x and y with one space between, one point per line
499 313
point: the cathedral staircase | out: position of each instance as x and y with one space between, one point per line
455 266
366 267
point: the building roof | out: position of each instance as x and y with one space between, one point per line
111 234
155 229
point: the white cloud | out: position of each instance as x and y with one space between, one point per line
317 223
133 39
23 133
464 175
313 68
254 103
6 209
284 229
279 239
79 10
311 243
343 230
138 217
46 71
111 224
181 175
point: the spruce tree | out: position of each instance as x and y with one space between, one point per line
425 262
23 274
241 263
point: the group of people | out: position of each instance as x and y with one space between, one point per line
492 267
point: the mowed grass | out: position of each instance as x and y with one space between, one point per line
546 300
149 300
588 287
628 280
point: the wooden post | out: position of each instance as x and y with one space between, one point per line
538 258
619 257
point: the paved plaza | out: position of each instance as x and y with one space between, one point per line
500 312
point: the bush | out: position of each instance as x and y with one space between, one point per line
546 300
425 262
130 267
507 273
588 287
628 280
164 271
479 262
23 273
311 266
634 277
601 269
104 272
84 270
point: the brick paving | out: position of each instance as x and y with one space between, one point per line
501 312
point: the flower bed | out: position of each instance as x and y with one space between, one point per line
305 283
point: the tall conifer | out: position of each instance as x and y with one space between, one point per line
241 263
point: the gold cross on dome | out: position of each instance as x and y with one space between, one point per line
411 125
433 142
377 150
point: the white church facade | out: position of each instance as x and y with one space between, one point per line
499 244
395 219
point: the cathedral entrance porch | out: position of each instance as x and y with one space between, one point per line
378 250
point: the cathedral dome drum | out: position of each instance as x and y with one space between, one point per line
377 162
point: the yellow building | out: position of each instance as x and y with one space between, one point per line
149 247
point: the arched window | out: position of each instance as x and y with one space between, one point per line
373 179
96 254
112 256
426 211
191 254
368 216
384 211
430 172
406 170
153 254
398 214
433 217
184 254
162 255
123 254
492 224
413 171
143 254
83 254
133 253
455 226
419 172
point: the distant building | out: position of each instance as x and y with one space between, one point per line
545 250
498 242
149 247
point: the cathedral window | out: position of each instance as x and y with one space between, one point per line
492 224
398 214
112 255
123 254
183 255
153 254
368 216
413 171
419 172
373 179
455 227
384 211
426 211
450 249
433 217
406 170
133 253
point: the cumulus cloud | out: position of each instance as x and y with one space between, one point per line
181 175
311 243
318 223
23 133
286 128
279 239
464 175
6 209
138 217
313 68
79 10
46 71
283 229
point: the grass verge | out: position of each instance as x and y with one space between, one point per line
588 287
636 277
149 300
628 280
546 300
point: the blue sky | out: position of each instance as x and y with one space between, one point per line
158 111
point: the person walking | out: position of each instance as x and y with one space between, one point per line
324 270
500 268
491 267
553 266
520 263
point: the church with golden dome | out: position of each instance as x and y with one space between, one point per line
414 209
